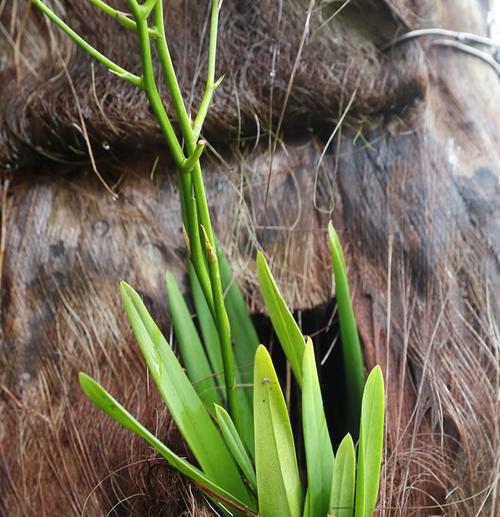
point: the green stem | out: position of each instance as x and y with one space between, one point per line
111 65
211 85
190 139
148 6
223 327
199 189
175 148
190 134
196 255
171 79
121 17
150 88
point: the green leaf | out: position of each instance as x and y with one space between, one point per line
286 328
104 401
190 347
207 325
183 402
278 482
307 504
371 437
245 341
351 347
318 446
343 481
235 445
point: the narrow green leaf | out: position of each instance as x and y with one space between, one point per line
104 401
183 402
351 347
278 482
235 445
343 481
190 347
286 328
245 342
207 325
371 437
318 446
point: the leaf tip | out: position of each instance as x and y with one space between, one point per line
169 278
125 289
88 384
376 375
82 377
260 260
261 351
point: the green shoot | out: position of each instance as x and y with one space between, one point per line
278 482
207 325
193 355
120 17
371 438
223 328
318 446
104 401
184 404
343 479
287 330
351 347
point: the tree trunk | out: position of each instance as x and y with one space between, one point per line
411 180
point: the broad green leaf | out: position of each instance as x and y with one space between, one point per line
343 481
351 347
207 325
193 355
286 328
371 437
278 482
184 404
245 342
235 445
104 401
318 446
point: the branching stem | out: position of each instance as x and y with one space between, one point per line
211 84
111 65
191 135
194 204
190 162
186 188
151 90
121 17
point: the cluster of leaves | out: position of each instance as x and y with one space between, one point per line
258 470
236 421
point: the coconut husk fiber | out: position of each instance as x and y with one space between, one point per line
410 179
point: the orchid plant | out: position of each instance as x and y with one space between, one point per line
235 421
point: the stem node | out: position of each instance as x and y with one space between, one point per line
192 160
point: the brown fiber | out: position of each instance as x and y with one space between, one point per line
411 180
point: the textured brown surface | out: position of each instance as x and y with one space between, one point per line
411 181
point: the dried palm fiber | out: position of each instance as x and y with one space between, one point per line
413 181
